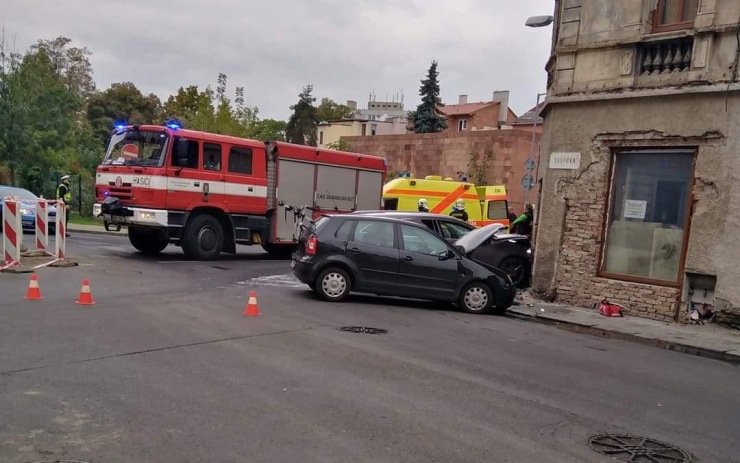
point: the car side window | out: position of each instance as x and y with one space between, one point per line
453 231
422 241
374 233
344 231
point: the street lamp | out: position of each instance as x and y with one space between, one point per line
539 21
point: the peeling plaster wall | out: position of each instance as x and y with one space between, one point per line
573 203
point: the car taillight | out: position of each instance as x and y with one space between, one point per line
311 245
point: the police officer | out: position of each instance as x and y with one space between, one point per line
458 211
64 193
423 205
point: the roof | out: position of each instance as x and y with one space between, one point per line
464 109
530 117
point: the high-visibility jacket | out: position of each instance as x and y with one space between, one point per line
64 193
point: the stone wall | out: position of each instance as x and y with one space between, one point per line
449 153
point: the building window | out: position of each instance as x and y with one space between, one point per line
373 129
321 137
462 124
364 129
671 15
648 215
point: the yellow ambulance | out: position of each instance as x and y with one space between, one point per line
484 204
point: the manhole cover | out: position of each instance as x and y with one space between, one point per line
363 330
637 449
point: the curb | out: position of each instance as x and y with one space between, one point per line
602 333
94 232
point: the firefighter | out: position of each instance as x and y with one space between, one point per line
64 193
423 205
458 211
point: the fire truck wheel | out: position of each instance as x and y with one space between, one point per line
148 241
203 238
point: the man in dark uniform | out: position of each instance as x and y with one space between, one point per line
458 211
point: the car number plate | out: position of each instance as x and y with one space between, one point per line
52 219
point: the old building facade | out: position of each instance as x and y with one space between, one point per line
640 199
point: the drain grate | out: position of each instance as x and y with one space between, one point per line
637 449
363 330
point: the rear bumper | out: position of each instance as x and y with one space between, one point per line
303 269
133 216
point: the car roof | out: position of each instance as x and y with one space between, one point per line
379 217
421 215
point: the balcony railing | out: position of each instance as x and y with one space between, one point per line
666 57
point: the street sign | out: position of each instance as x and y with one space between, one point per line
530 165
528 182
130 151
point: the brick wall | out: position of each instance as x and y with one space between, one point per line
448 153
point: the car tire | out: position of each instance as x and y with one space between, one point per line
333 285
476 298
148 242
203 238
517 269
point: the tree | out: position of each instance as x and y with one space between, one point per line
340 145
425 118
302 125
122 103
329 110
71 64
268 130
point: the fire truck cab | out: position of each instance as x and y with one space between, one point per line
207 192
484 204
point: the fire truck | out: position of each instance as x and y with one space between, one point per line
207 192
484 204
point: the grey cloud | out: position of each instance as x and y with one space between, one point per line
345 48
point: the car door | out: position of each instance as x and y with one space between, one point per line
371 247
426 271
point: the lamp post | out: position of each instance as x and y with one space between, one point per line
527 181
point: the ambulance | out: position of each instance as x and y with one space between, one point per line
484 204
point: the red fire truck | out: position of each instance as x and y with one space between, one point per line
207 192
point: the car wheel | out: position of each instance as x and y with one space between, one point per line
333 285
516 268
203 238
476 298
149 242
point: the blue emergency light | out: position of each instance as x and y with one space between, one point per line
173 124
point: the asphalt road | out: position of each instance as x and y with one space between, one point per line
164 368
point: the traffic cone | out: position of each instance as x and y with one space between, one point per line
85 294
34 292
252 309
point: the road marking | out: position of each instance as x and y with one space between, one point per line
282 281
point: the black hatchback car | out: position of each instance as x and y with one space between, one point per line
392 257
511 253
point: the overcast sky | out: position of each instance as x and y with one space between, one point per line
345 48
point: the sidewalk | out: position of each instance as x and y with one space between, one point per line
707 340
95 229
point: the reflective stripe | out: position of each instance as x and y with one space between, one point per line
449 199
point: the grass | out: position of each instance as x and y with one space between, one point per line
79 220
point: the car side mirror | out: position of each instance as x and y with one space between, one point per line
461 249
446 255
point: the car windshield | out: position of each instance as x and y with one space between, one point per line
479 236
137 148
20 193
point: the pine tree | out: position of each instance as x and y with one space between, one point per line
304 121
426 119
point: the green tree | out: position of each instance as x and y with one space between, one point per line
301 128
340 145
426 119
268 130
71 64
124 103
329 110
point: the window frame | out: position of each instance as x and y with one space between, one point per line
355 226
669 27
462 125
199 153
251 159
220 156
600 272
423 229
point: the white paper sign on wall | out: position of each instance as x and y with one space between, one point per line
635 209
569 161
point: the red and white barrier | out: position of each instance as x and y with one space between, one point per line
12 233
42 225
61 235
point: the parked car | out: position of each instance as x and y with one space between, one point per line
393 257
28 207
511 253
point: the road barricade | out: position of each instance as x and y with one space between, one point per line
12 233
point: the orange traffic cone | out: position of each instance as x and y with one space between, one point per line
34 292
252 310
85 294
